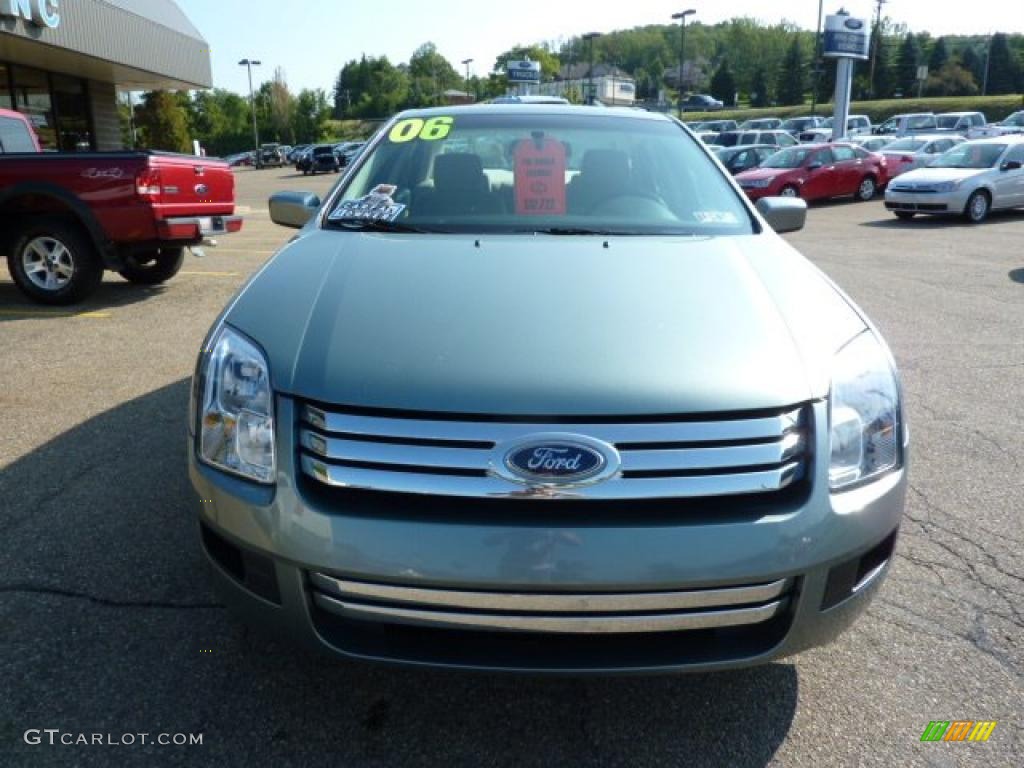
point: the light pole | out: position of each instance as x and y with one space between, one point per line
249 64
682 49
466 63
876 43
817 61
589 37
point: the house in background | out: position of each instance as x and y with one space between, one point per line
612 86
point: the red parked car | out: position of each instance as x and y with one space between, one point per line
816 172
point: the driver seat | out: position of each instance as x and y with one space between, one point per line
604 173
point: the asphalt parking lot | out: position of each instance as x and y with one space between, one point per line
107 624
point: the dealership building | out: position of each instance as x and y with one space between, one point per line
62 63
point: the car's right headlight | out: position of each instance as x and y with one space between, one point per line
234 408
865 414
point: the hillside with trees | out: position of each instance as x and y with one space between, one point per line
763 65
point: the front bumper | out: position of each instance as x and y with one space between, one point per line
425 581
931 202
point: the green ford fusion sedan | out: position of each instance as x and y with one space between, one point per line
536 388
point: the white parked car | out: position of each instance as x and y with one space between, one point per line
871 143
912 152
971 179
960 122
905 125
1013 124
856 125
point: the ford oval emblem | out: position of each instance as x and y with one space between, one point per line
853 23
201 189
551 460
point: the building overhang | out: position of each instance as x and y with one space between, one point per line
136 44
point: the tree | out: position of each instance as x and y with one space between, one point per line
972 62
723 84
791 85
759 95
162 122
370 87
906 66
311 112
883 84
1003 66
950 79
939 55
430 75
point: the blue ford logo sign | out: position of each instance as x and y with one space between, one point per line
853 24
555 459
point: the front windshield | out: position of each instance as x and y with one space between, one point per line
1016 119
788 158
905 145
948 121
970 156
531 172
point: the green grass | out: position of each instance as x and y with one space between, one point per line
994 107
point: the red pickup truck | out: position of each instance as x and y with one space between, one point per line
65 218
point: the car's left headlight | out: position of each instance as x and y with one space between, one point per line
233 407
947 186
864 414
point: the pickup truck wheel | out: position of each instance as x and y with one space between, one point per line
54 262
155 267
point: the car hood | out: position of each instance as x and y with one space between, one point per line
542 324
937 175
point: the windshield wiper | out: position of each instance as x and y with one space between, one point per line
580 231
379 225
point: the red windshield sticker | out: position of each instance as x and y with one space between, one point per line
540 177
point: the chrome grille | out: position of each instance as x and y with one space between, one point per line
658 459
557 612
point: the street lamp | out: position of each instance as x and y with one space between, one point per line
589 37
466 63
249 64
682 48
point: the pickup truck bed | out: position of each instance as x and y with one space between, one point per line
65 218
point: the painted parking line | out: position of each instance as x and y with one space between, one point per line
19 312
210 274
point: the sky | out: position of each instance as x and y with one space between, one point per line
311 41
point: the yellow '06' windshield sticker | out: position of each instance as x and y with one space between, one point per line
433 129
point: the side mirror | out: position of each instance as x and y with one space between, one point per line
293 209
783 214
1011 165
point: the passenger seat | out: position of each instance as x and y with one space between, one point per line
460 188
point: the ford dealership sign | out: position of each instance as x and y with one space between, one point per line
42 13
846 37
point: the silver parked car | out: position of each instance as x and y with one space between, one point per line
856 125
912 152
971 179
546 410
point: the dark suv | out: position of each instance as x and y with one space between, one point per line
318 159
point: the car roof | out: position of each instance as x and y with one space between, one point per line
533 109
956 114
